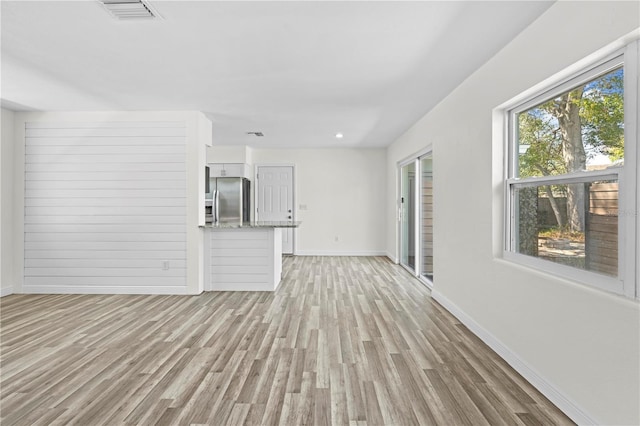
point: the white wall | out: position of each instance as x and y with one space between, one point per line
580 346
126 157
229 154
343 190
6 204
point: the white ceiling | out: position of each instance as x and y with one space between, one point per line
298 71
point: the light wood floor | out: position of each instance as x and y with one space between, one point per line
343 341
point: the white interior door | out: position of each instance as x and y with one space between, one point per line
275 199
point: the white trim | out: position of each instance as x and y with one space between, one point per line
634 61
417 226
419 214
178 290
499 166
546 387
601 55
409 270
567 178
398 206
597 69
416 159
622 53
581 276
428 149
426 281
628 208
397 193
401 210
391 257
341 253
5 291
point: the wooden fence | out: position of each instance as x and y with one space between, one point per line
601 228
427 223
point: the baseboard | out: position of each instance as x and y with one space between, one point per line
555 395
392 257
177 290
5 291
339 253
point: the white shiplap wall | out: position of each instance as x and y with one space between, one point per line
105 207
248 259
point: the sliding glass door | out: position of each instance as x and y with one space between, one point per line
426 216
416 216
408 217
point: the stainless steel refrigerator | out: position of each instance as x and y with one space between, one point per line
229 199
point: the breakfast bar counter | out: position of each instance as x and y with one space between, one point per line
244 256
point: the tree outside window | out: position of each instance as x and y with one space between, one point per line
569 217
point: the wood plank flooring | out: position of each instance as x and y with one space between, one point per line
343 341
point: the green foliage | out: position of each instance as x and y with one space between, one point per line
601 103
544 153
602 114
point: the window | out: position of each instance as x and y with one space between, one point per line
571 178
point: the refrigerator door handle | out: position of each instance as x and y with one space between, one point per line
216 213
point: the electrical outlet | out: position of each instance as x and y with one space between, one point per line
165 265
336 239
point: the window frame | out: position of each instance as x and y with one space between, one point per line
626 176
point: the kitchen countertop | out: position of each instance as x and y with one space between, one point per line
235 225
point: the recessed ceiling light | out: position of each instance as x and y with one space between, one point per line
339 135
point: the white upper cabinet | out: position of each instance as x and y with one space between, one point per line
230 170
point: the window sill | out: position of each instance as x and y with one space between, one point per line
550 270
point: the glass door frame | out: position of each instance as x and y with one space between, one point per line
401 213
417 206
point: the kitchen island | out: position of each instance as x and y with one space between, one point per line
244 257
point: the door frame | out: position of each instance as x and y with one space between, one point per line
413 158
294 212
415 272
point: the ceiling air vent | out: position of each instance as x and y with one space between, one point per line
259 134
129 9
